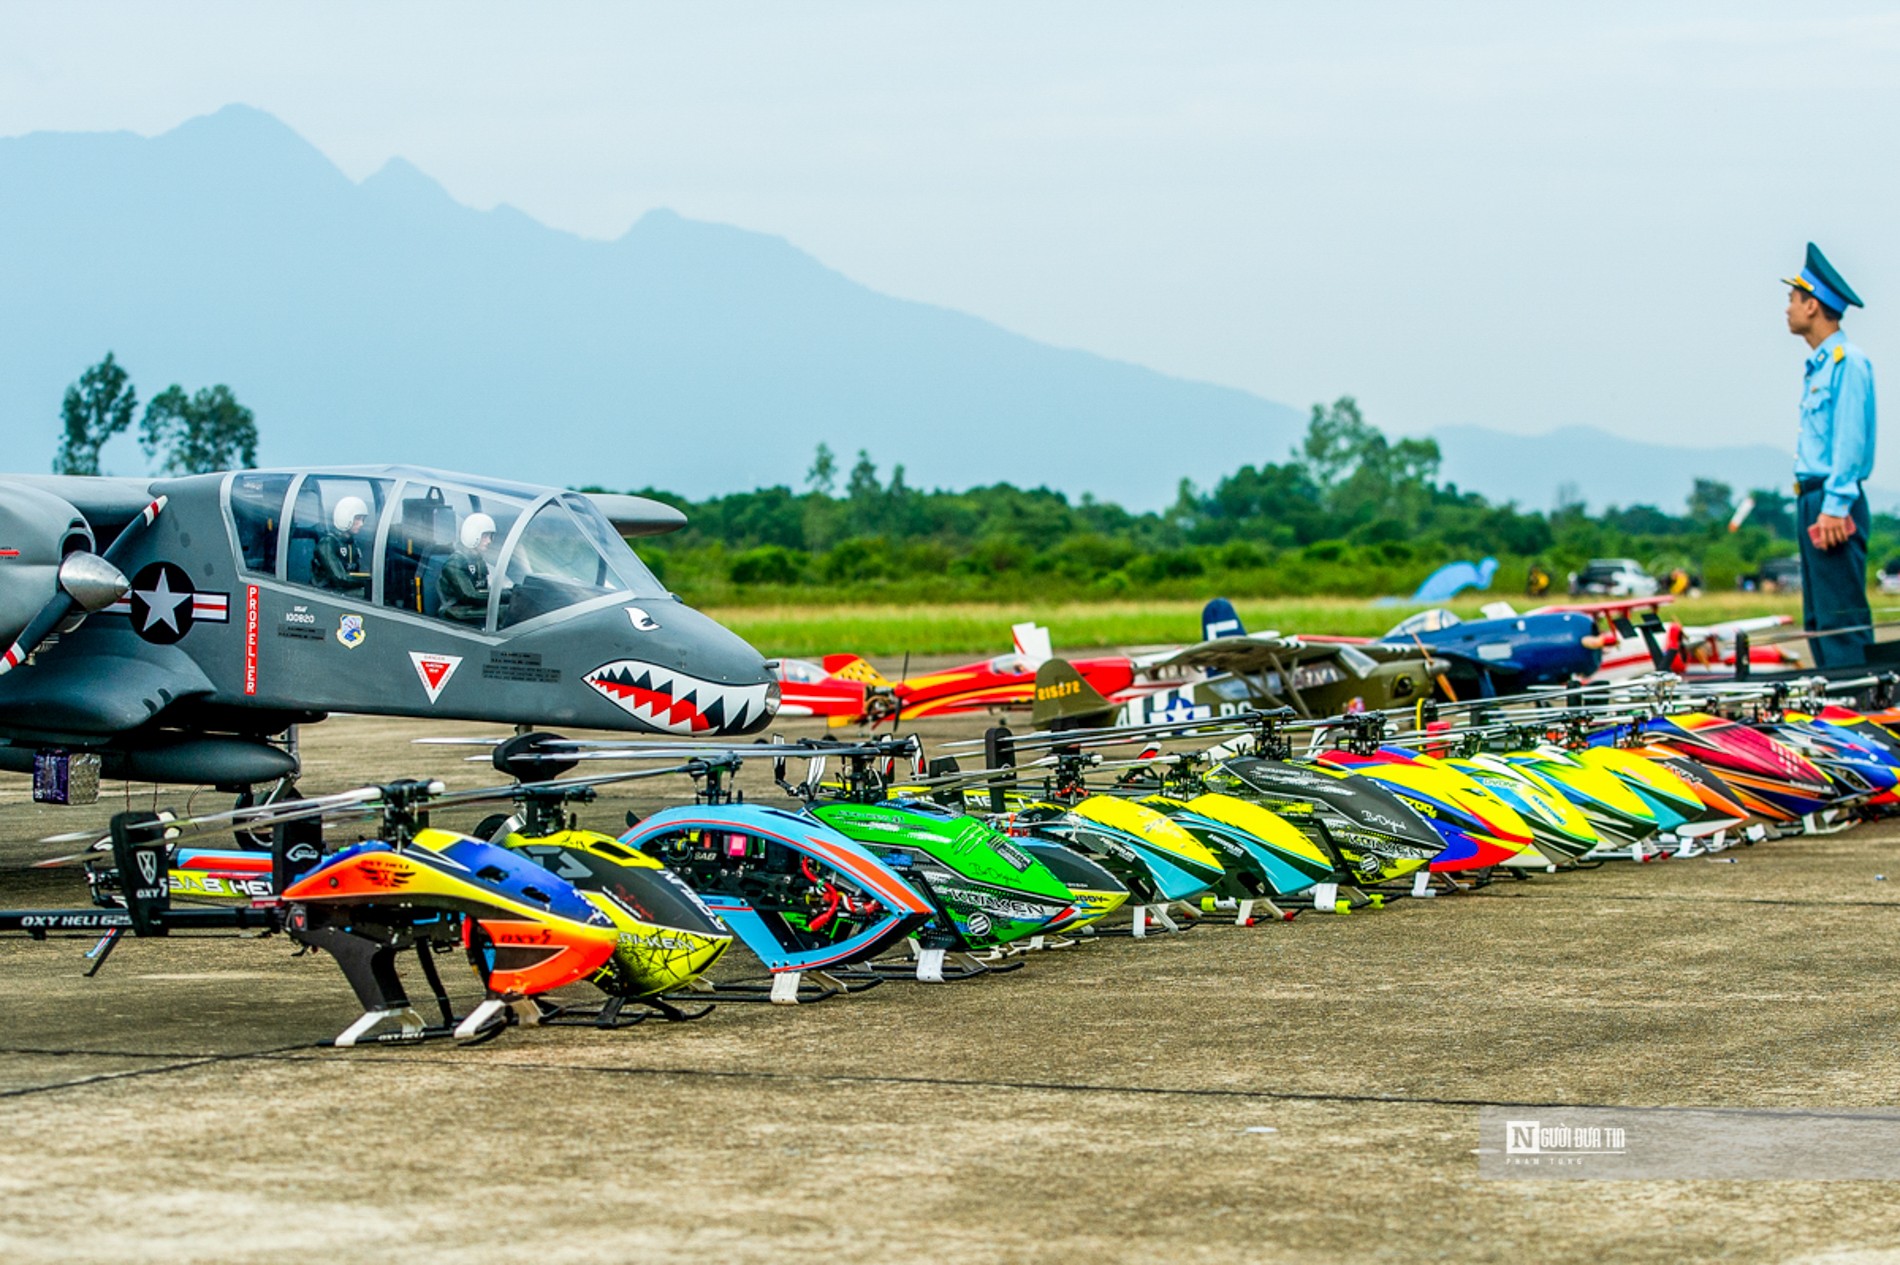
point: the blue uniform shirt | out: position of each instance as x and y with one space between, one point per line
1837 422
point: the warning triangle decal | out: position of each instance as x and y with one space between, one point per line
434 670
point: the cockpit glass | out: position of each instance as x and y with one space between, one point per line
451 548
1435 620
428 568
569 553
619 556
257 514
333 526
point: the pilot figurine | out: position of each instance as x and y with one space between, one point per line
463 584
337 564
1834 454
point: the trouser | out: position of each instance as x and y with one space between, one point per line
1834 586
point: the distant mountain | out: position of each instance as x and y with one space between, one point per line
1608 470
383 321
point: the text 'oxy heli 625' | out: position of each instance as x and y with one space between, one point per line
170 630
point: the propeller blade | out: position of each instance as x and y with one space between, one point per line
136 528
903 675
50 616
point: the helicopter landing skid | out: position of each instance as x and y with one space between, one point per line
1034 944
370 967
1248 911
615 1012
930 966
479 1026
1149 920
786 988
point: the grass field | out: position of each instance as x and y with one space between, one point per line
978 628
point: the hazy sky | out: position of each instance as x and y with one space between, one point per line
1521 216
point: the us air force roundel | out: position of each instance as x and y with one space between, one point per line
164 605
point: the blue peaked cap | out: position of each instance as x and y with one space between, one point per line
1819 278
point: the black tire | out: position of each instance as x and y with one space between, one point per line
489 825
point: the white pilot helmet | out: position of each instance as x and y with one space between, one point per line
474 527
347 511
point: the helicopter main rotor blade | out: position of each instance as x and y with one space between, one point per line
517 790
565 752
1239 722
551 743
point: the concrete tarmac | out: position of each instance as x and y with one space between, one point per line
1306 1091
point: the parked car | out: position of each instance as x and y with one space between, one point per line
1776 575
1613 577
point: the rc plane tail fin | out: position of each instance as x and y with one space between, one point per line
1064 699
1032 642
1219 619
850 667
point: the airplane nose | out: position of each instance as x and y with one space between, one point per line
712 651
680 672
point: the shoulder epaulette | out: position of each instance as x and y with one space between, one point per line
1840 353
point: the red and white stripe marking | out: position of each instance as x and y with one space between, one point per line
212 607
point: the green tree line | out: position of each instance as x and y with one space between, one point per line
194 432
1348 512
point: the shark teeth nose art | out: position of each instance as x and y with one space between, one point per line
675 702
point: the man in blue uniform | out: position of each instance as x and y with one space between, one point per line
1833 457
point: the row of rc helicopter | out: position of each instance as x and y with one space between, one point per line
883 864
179 631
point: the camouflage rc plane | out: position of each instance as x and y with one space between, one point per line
175 630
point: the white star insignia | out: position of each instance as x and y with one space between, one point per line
162 604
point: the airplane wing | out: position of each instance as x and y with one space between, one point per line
1727 631
106 504
637 515
1253 652
1618 606
1394 651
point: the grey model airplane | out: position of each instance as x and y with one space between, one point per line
173 630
